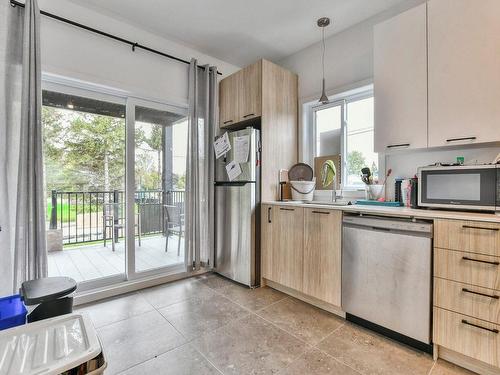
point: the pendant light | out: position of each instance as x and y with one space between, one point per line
323 22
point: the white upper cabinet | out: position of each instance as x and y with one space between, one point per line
400 81
464 71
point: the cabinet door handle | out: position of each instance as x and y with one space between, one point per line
269 214
494 296
321 212
250 114
228 122
481 261
461 139
493 330
399 145
482 228
287 209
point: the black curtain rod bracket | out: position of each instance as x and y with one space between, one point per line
134 45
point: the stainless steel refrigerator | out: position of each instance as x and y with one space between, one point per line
237 203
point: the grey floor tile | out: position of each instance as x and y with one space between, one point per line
116 309
196 316
178 291
252 299
184 360
250 346
317 363
215 281
302 320
370 353
137 339
446 368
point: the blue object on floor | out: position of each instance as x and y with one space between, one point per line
12 312
367 202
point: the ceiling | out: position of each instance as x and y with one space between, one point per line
241 31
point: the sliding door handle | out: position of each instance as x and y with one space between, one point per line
493 296
481 228
481 261
493 330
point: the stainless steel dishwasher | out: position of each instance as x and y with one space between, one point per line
386 276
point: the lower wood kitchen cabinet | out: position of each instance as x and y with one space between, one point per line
301 250
322 255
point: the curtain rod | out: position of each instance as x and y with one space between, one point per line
134 45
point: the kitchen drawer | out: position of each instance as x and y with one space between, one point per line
472 337
471 236
467 299
477 269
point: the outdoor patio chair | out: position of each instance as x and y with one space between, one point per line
113 217
174 223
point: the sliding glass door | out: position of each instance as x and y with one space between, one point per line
84 162
115 172
156 199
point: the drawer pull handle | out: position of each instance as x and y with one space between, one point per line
287 209
250 114
269 214
321 212
399 145
482 228
480 327
481 261
228 121
480 294
461 139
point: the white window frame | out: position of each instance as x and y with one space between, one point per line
309 143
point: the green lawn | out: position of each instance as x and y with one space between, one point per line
65 211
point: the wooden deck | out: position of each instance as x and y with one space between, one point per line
90 262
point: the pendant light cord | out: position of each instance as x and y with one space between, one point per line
324 47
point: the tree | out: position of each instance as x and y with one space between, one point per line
83 151
355 162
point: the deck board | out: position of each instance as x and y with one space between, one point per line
91 262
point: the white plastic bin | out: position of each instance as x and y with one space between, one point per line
68 342
303 190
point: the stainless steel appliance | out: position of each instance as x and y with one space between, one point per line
475 187
386 276
237 202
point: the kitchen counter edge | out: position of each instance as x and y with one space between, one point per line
398 211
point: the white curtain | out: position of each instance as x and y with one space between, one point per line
22 217
202 122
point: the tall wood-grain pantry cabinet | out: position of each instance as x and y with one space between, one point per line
265 94
437 76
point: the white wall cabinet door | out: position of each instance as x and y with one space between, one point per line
400 81
464 71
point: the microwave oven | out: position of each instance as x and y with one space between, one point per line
474 187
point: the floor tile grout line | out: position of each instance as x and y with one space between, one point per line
432 368
206 358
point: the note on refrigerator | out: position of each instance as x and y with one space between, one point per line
233 170
222 145
241 147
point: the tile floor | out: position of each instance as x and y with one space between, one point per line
210 325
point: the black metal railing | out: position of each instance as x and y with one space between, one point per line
79 214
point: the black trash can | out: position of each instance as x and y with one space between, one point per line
48 297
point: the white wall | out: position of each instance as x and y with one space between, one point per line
349 63
79 54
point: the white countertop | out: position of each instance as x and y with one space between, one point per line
399 211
